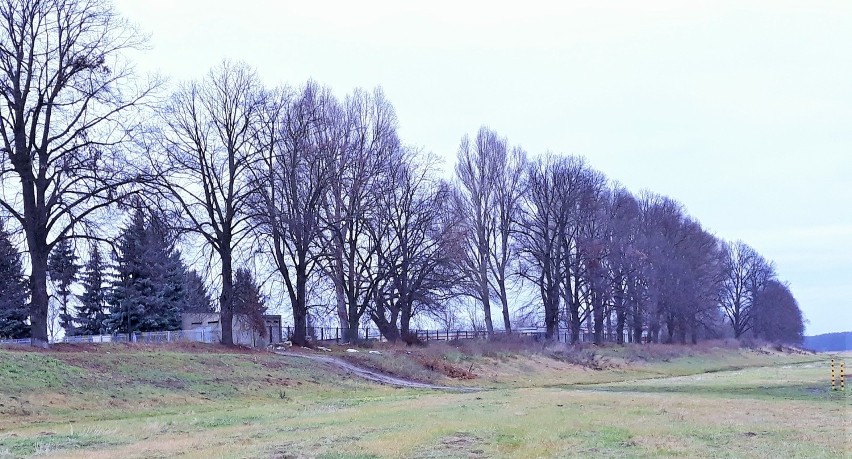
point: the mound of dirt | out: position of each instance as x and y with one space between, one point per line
447 369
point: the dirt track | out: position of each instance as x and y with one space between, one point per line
372 375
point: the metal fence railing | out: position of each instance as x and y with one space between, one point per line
316 334
337 334
199 336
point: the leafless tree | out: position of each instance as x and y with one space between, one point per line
682 271
414 247
559 239
489 177
588 258
68 104
745 274
625 260
300 140
506 206
776 315
350 211
543 222
206 150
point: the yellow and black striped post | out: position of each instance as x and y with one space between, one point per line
833 386
842 376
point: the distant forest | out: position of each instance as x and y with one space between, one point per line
125 204
830 342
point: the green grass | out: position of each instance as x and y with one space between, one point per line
666 402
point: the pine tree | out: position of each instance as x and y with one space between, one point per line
63 268
150 290
92 313
248 300
126 304
13 291
197 298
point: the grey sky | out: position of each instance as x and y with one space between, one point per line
740 110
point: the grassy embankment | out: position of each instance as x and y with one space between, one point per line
198 401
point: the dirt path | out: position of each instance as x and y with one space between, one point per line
374 376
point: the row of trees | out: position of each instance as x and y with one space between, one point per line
632 266
321 194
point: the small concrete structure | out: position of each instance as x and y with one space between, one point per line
208 329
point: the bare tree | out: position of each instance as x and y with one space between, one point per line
300 143
661 220
776 315
203 163
68 99
745 274
588 259
502 263
682 271
350 213
543 225
625 260
415 230
489 177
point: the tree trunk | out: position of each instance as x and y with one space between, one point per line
226 303
38 295
637 323
485 296
351 334
598 313
504 300
405 321
574 312
300 310
387 327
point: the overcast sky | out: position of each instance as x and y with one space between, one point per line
740 110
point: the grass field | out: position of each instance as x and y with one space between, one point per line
208 401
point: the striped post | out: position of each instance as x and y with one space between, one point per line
833 387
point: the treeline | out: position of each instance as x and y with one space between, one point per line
351 222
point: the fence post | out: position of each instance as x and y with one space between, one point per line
366 333
337 334
322 333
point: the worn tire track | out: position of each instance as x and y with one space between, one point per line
372 375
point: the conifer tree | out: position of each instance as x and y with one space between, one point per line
248 300
13 291
150 289
92 313
197 297
62 266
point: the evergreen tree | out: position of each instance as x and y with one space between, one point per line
197 298
92 313
150 288
13 291
248 300
63 268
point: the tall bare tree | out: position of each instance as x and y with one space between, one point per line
506 206
68 99
544 220
745 274
776 315
414 246
350 213
489 181
625 259
203 162
300 142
